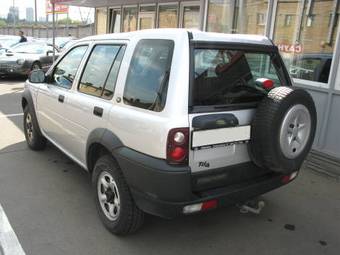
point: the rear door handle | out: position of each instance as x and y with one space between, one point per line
61 98
98 111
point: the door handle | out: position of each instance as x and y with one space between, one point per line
98 111
61 98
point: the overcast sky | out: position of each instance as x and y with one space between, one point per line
22 4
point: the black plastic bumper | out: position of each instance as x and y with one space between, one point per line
163 190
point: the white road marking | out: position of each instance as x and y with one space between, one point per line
9 243
11 115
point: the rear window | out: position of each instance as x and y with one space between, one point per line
228 77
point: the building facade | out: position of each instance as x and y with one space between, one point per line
305 31
29 14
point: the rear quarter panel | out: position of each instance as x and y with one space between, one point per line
144 130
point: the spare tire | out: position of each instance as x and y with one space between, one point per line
283 129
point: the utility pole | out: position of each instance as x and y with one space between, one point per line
35 12
53 32
14 18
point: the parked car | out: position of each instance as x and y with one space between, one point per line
25 57
313 67
172 122
8 41
67 44
60 42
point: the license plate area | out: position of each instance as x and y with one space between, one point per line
228 136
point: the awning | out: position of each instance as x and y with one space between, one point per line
107 3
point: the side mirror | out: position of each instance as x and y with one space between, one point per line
37 76
49 53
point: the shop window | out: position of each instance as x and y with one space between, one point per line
147 17
101 20
220 13
236 16
168 16
129 19
114 20
306 38
191 16
255 12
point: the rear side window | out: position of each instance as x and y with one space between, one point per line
227 77
66 69
101 70
147 80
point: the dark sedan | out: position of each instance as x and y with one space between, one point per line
25 57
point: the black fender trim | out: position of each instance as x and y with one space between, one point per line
154 176
27 96
103 137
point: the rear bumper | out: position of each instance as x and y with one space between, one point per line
225 196
163 190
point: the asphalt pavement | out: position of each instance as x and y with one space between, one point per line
49 203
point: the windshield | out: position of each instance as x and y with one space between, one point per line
8 42
29 48
225 77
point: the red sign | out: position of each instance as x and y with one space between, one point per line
290 48
58 8
59 1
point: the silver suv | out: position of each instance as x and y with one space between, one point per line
171 122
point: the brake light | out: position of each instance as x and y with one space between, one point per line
177 149
268 84
265 83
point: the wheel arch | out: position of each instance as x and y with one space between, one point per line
26 99
101 141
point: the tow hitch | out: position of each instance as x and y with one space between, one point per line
253 206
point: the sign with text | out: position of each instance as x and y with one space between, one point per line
290 48
58 8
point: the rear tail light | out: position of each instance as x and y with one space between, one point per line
265 83
177 149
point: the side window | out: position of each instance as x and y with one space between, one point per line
100 72
66 70
147 80
112 78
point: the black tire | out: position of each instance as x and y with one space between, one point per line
35 140
35 66
265 144
130 217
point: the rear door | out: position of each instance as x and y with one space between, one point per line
225 89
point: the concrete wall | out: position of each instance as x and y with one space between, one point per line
78 31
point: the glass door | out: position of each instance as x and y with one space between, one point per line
168 15
130 14
146 17
114 20
190 15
